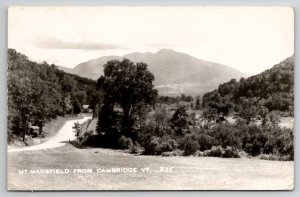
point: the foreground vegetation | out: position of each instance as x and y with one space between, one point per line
180 134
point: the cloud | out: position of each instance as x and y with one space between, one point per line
55 43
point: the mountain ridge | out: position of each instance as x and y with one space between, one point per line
175 72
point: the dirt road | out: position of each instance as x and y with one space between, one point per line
62 137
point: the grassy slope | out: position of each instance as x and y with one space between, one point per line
189 172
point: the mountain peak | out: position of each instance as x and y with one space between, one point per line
175 72
164 50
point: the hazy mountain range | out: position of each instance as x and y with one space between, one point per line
175 73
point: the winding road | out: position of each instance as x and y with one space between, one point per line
63 136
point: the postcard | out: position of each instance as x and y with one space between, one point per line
150 98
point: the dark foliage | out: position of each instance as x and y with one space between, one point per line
125 142
129 94
180 121
39 92
272 89
189 144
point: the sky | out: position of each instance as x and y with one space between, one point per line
250 39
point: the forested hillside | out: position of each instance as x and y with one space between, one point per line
38 93
272 90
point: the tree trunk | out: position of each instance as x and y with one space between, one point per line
94 112
25 128
127 109
41 129
24 132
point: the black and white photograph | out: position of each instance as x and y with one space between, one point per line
117 98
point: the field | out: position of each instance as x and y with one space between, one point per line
196 173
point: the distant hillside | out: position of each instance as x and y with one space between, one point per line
175 73
273 88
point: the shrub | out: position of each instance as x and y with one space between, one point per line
173 153
268 147
269 157
230 152
254 140
85 136
125 142
214 152
190 145
157 145
136 149
254 148
205 141
226 135
285 143
198 153
167 144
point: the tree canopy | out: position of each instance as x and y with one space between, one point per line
273 90
128 86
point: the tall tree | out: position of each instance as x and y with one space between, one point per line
127 85
180 121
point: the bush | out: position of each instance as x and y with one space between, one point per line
85 136
189 144
153 146
269 157
230 153
218 151
285 143
158 145
137 149
254 148
214 152
268 140
226 135
205 141
254 140
268 147
125 142
167 144
198 153
173 153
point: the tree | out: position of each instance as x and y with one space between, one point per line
95 98
127 85
81 97
217 111
160 120
198 105
41 107
76 107
21 92
180 121
248 110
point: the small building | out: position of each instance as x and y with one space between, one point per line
86 109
